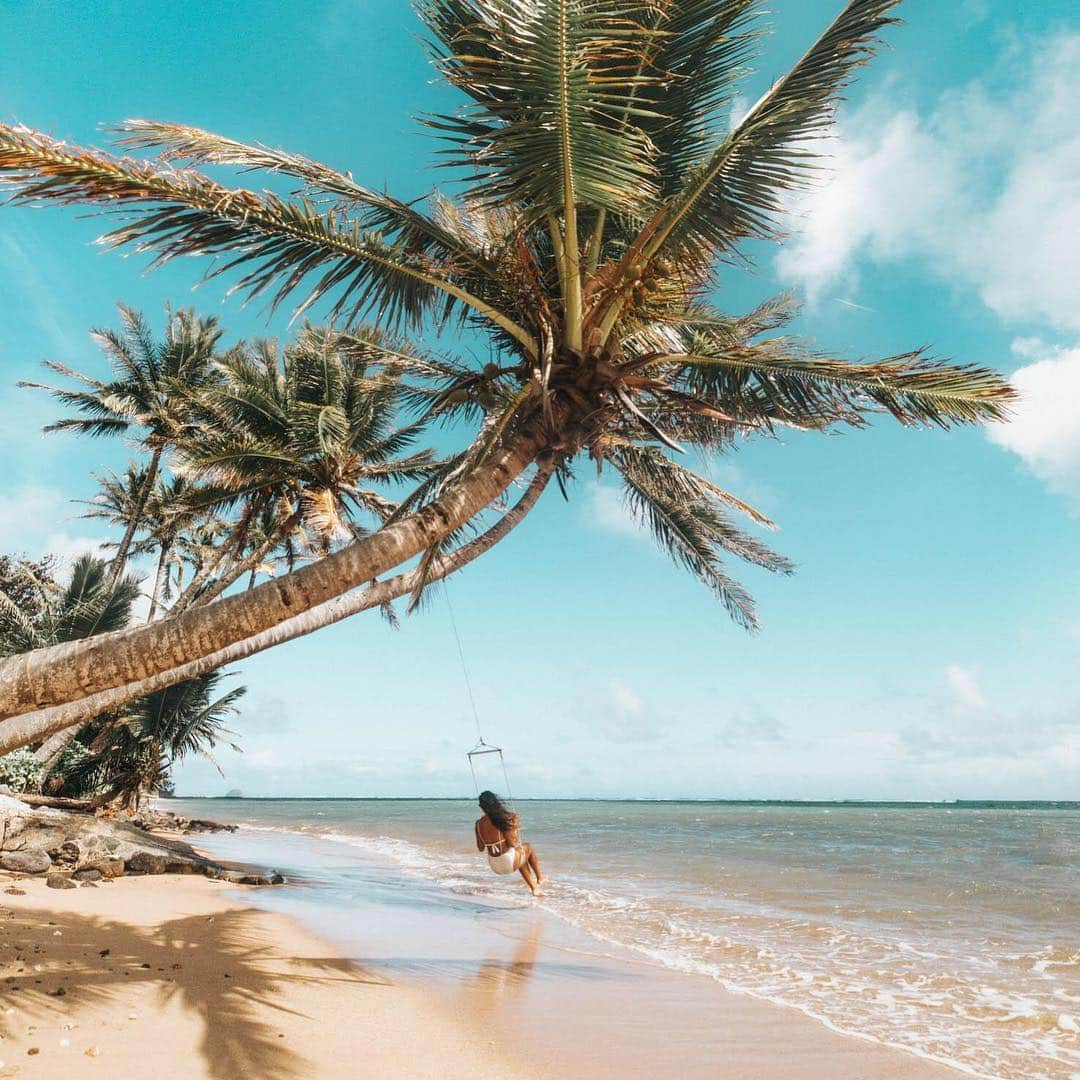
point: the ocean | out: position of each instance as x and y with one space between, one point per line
948 930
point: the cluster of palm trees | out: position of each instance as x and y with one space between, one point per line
603 195
251 457
119 756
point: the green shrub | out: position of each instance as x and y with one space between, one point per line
21 771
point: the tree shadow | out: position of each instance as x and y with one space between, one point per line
217 966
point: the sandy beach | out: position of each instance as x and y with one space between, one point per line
181 976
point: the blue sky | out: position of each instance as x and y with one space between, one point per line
927 647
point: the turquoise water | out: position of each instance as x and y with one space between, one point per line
952 931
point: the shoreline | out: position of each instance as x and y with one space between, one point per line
257 993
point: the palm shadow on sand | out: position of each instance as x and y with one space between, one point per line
215 965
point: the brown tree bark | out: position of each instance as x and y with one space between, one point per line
32 726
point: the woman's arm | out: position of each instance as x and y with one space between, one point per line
479 838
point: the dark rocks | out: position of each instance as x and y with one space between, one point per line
87 884
146 862
198 825
107 867
89 849
152 819
29 861
68 854
12 891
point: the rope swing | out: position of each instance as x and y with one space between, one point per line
481 748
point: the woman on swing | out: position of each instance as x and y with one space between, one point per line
498 833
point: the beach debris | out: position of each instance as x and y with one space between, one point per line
87 884
65 1043
30 861
133 1016
91 1051
58 992
33 1050
12 891
59 881
57 933
104 952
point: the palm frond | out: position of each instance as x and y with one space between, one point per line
401 222
738 190
277 245
547 82
809 387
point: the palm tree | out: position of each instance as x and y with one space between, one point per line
92 603
302 438
163 514
133 755
604 192
149 395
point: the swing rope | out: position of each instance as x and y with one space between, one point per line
481 747
464 666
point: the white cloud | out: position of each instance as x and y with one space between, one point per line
1045 428
626 702
32 523
607 510
964 685
625 718
985 189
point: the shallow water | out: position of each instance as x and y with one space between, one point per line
952 932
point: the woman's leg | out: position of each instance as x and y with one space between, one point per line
525 860
534 865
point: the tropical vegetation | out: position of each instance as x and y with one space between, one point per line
119 756
601 193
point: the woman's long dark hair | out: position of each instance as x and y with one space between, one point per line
504 820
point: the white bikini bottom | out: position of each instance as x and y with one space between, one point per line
504 863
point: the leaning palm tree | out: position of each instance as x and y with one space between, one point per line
603 193
148 396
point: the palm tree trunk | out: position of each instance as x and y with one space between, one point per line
52 749
13 732
117 567
250 563
75 670
159 577
234 539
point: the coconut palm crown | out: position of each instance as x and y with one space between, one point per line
603 192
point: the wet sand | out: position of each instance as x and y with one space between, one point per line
181 977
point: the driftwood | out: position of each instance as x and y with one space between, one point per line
85 806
